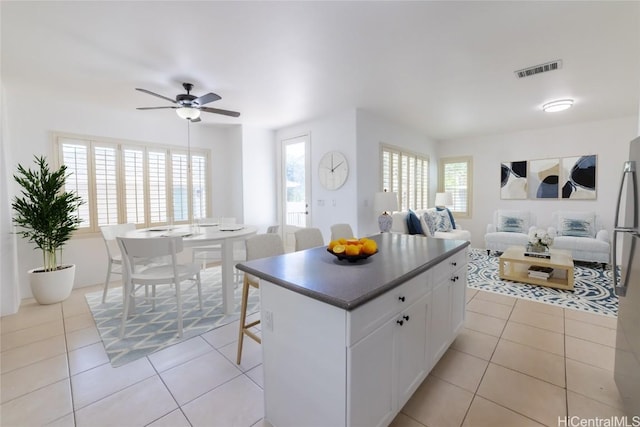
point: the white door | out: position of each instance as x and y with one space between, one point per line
296 185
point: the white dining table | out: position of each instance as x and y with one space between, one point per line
204 235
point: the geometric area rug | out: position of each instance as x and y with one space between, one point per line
148 330
593 287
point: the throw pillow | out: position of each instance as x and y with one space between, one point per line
513 222
437 220
582 225
444 223
453 222
430 219
413 223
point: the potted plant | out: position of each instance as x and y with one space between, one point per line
47 217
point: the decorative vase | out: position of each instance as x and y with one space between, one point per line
50 287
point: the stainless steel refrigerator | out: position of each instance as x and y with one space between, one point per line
626 234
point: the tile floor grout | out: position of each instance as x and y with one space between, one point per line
71 313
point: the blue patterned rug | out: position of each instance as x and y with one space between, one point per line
148 331
593 286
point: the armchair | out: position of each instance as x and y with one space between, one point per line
581 233
509 228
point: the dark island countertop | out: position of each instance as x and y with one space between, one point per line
320 275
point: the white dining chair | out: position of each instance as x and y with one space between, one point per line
207 253
170 273
258 246
109 234
307 238
341 230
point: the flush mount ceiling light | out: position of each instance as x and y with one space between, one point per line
559 105
188 113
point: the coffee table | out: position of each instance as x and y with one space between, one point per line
514 265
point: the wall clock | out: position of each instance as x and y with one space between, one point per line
333 170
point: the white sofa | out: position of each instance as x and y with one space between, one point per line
509 228
581 233
399 225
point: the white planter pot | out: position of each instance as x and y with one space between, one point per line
50 287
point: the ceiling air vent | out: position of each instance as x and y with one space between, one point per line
537 69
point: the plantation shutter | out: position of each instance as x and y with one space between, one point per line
106 186
455 182
133 160
180 190
199 185
408 175
157 186
75 155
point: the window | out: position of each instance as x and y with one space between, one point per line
134 182
407 174
456 178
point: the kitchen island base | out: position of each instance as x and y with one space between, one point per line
328 366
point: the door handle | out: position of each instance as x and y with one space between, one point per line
628 171
620 283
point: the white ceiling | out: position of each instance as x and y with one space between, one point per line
444 68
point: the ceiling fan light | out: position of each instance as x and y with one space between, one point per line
558 105
188 113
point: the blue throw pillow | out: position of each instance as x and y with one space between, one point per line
511 224
453 223
413 223
576 228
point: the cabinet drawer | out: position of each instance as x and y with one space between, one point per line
365 319
443 270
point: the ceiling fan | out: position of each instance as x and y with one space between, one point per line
189 106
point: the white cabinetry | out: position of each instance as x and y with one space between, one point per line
448 300
387 365
327 366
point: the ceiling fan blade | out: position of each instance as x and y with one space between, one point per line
205 99
155 94
153 108
218 111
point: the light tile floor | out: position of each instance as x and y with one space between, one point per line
516 363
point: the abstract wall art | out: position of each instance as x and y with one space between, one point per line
544 178
559 178
513 180
578 177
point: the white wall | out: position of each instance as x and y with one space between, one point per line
335 132
259 164
608 139
371 131
28 131
358 135
9 294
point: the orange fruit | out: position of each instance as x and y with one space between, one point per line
352 250
332 244
339 249
369 247
353 241
342 241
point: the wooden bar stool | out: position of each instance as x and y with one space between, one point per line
258 246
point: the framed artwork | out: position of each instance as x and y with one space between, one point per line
544 176
513 180
578 177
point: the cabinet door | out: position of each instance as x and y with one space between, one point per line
411 348
440 325
458 300
370 387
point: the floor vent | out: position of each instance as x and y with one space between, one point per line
537 69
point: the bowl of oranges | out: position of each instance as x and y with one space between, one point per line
353 249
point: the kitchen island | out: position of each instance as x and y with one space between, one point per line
347 344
